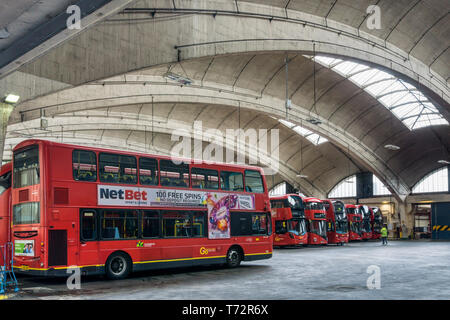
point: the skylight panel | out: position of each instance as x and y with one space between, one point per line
395 94
363 77
379 87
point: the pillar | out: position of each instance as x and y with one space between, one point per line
5 112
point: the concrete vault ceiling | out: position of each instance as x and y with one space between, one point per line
102 84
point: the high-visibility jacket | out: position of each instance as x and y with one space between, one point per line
384 232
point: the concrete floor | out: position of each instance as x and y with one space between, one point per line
409 270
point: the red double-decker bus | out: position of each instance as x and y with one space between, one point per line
354 222
377 222
337 223
288 216
5 203
316 221
114 212
366 223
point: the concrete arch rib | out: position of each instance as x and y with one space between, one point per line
156 90
79 130
256 27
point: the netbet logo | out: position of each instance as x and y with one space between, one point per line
125 194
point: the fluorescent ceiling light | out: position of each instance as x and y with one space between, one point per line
392 147
443 161
302 176
12 98
178 78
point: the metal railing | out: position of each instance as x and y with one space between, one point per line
7 276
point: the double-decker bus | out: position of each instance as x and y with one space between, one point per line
289 223
113 212
354 222
366 223
337 223
316 221
377 222
5 203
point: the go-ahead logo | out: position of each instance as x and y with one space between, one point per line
203 251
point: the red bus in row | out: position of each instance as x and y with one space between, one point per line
289 222
115 212
337 228
354 222
316 221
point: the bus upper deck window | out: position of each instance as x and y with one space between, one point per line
253 181
84 165
204 178
115 168
174 175
231 181
26 167
148 171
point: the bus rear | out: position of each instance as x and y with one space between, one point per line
354 222
28 232
316 221
288 220
337 223
5 204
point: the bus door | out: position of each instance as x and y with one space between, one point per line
88 245
177 234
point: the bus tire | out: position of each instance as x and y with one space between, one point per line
118 266
234 257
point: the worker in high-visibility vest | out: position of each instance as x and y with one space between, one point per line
384 234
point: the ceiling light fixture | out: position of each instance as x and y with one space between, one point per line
11 98
443 161
178 78
392 147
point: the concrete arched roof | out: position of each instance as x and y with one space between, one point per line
234 51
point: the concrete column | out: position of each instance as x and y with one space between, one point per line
5 112
406 218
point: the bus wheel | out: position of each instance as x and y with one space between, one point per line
118 266
234 257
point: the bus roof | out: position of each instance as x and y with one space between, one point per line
5 168
284 196
312 199
30 142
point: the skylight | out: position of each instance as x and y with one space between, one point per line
404 100
311 136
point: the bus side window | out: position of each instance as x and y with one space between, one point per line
204 178
150 224
174 175
119 224
231 181
199 224
115 168
280 227
88 225
253 181
84 165
148 171
176 224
